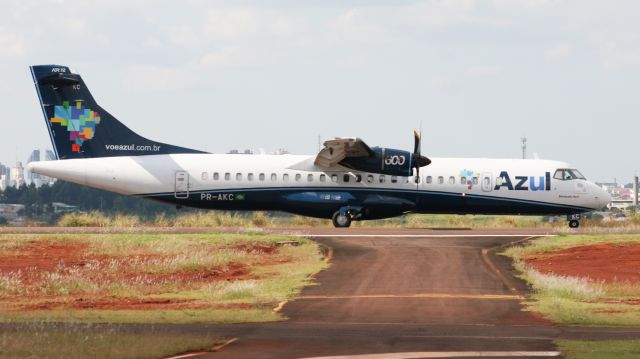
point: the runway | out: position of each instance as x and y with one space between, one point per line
410 294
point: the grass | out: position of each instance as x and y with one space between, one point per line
220 278
599 349
264 220
43 340
578 301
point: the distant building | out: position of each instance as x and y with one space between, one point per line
30 176
59 207
12 212
16 176
4 177
4 182
48 156
34 178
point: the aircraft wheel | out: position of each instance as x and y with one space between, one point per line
341 220
574 224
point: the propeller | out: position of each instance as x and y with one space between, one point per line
418 159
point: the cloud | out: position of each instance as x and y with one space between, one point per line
245 22
358 24
229 57
482 71
521 5
13 45
618 49
149 77
557 52
183 35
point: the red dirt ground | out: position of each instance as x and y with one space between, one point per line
600 262
42 255
39 257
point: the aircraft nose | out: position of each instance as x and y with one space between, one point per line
603 198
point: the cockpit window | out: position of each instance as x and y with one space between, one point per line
565 174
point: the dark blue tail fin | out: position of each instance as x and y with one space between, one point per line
79 127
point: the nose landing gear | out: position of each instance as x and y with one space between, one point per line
574 220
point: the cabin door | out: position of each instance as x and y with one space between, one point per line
182 185
487 182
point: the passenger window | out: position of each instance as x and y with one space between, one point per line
250 177
475 180
285 177
358 178
345 178
334 178
310 177
394 179
216 176
487 181
369 178
382 178
452 180
298 177
227 176
205 176
440 180
238 176
463 180
261 177
323 177
274 177
429 179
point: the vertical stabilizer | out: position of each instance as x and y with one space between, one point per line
79 127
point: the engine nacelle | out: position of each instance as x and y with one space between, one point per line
387 161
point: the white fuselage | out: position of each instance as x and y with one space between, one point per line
202 180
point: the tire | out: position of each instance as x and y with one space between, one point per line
574 224
341 220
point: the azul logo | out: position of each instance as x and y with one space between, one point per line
524 183
470 177
80 122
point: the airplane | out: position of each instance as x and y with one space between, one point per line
346 181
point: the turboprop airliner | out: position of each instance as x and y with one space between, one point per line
347 180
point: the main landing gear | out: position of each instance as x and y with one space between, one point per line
343 217
341 220
574 220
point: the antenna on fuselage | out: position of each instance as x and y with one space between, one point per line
524 147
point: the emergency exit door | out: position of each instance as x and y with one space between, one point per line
182 184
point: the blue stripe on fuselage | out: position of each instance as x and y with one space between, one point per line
279 198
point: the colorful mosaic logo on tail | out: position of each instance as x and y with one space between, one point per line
80 123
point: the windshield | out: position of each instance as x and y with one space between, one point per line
565 174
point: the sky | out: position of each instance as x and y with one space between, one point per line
476 76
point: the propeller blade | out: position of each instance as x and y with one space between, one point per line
418 159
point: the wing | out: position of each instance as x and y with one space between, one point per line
338 149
